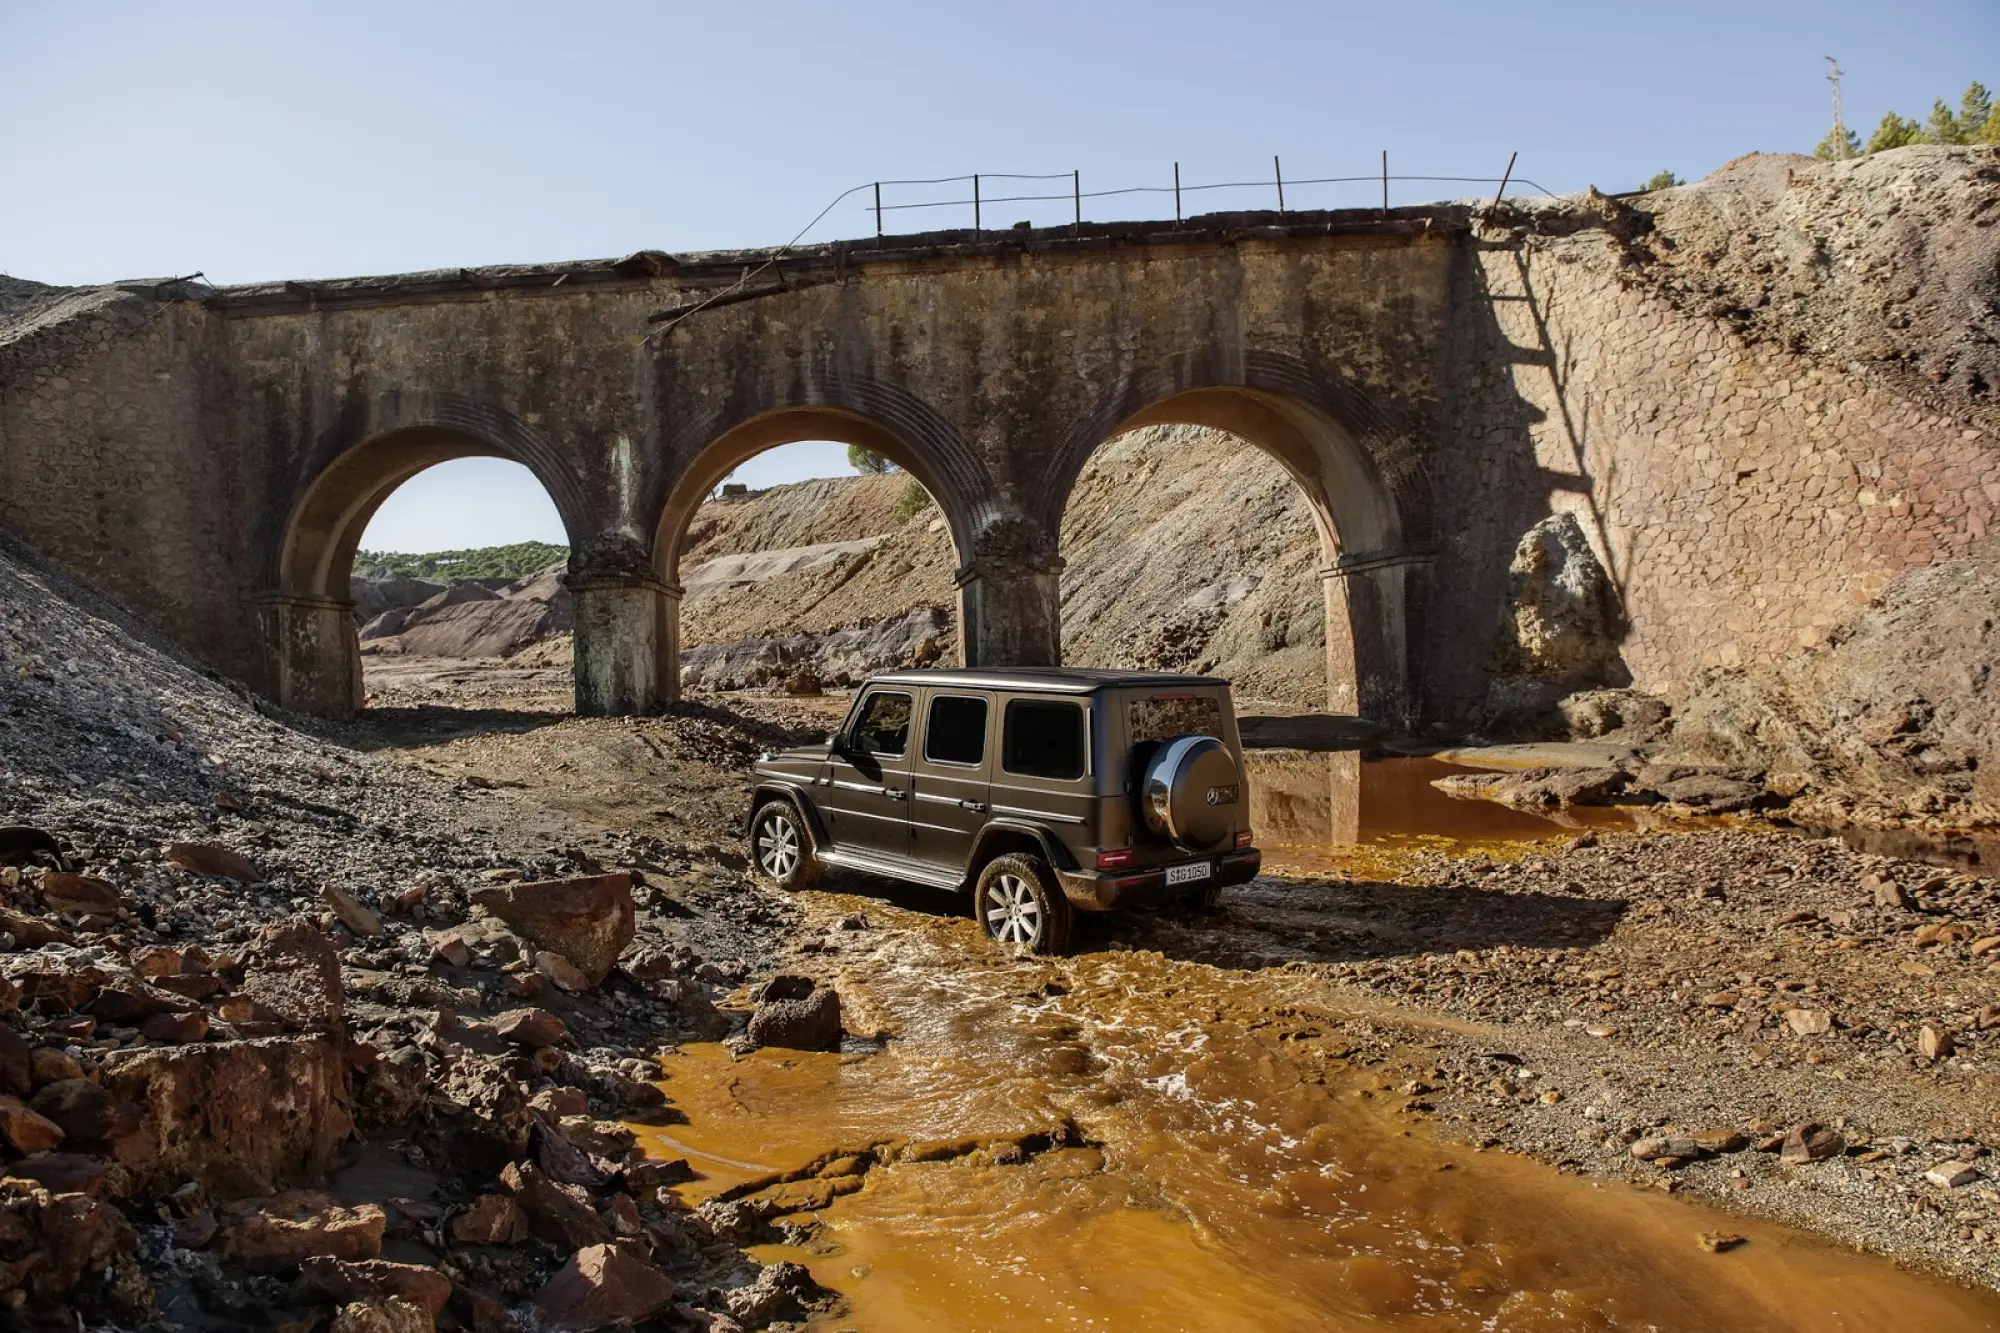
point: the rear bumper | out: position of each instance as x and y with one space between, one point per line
1102 890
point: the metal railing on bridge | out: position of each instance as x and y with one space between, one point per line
977 201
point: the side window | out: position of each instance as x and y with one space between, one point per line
884 726
1044 739
956 732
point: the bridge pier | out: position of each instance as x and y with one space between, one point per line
1010 609
1367 635
625 657
312 653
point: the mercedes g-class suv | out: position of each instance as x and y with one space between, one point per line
1040 789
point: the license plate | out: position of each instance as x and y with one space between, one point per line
1189 874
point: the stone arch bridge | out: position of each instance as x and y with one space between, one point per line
214 455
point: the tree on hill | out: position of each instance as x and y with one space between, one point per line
1665 180
1973 122
1894 132
867 460
486 562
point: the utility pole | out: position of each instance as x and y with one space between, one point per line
1839 123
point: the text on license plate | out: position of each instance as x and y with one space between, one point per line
1189 874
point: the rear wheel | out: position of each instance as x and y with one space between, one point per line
1019 904
782 847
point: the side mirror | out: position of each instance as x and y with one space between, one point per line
833 741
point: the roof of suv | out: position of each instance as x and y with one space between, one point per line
1055 680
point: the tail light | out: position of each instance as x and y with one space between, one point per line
1243 837
1114 858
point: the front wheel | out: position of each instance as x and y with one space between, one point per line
1019 904
781 846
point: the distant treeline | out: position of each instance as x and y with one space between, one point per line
1972 122
486 562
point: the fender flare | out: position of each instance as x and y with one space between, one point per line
788 791
1053 851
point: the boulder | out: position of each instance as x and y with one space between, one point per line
237 1117
388 1316
212 861
589 921
493 1219
61 1172
603 1286
85 1111
175 1029
479 1118
795 1013
373 1281
352 913
532 1028
16 1063
559 1214
25 1129
292 970
390 1088
81 895
1563 617
1711 793
278 1234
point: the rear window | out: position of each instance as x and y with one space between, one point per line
1165 716
1044 739
956 733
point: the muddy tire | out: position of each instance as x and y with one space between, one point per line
781 846
1018 903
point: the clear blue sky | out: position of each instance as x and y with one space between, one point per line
270 140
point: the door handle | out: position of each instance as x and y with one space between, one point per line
895 794
977 807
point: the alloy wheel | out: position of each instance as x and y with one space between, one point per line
777 847
1013 915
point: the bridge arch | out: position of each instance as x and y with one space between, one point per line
917 441
1360 476
312 651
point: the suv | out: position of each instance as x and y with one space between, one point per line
1042 789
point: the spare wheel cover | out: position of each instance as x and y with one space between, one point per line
1191 791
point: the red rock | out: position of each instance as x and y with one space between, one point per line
565 974
196 1231
603 1285
48 1064
373 1281
16 1063
493 1219
278 1234
407 900
60 1172
533 1028
450 948
175 1029
388 1316
31 932
557 1213
128 1000
25 1129
80 895
85 1111
79 1027
589 921
212 861
560 1103
293 970
1812 1143
238 1117
77 1236
192 985
353 913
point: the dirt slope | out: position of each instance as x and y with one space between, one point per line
1184 548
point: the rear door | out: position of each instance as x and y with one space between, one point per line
1044 769
867 807
950 776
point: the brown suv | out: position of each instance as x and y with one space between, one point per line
1043 789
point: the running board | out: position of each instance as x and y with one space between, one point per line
891 868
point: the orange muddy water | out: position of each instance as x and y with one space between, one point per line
1244 1170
